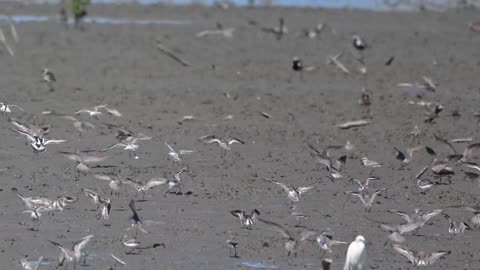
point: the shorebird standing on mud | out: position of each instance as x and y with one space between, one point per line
49 78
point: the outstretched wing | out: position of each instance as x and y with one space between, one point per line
89 193
358 195
54 141
278 228
469 150
78 246
302 190
447 143
135 216
399 155
402 214
437 255
305 235
71 156
113 112
103 177
405 252
132 183
183 152
431 214
155 182
239 214
375 194
170 148
29 137
113 146
64 251
38 263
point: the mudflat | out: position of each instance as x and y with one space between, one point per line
240 87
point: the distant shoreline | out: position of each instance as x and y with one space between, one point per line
369 5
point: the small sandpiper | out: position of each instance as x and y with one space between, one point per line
74 254
31 265
49 78
358 43
366 198
290 242
34 135
247 220
141 186
233 245
176 155
83 159
5 108
370 163
129 144
137 223
114 181
104 204
223 144
456 227
419 258
293 193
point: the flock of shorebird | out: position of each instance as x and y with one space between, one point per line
441 166
333 158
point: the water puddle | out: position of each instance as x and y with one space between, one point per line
97 20
260 265
357 4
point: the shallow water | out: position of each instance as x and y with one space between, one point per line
260 265
99 20
357 4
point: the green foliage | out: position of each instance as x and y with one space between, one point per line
79 7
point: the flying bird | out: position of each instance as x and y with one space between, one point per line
35 135
290 242
144 186
137 223
129 144
82 160
362 187
420 258
406 158
114 181
5 108
176 155
104 204
74 254
247 220
325 241
366 198
472 208
31 265
293 193
456 227
223 144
